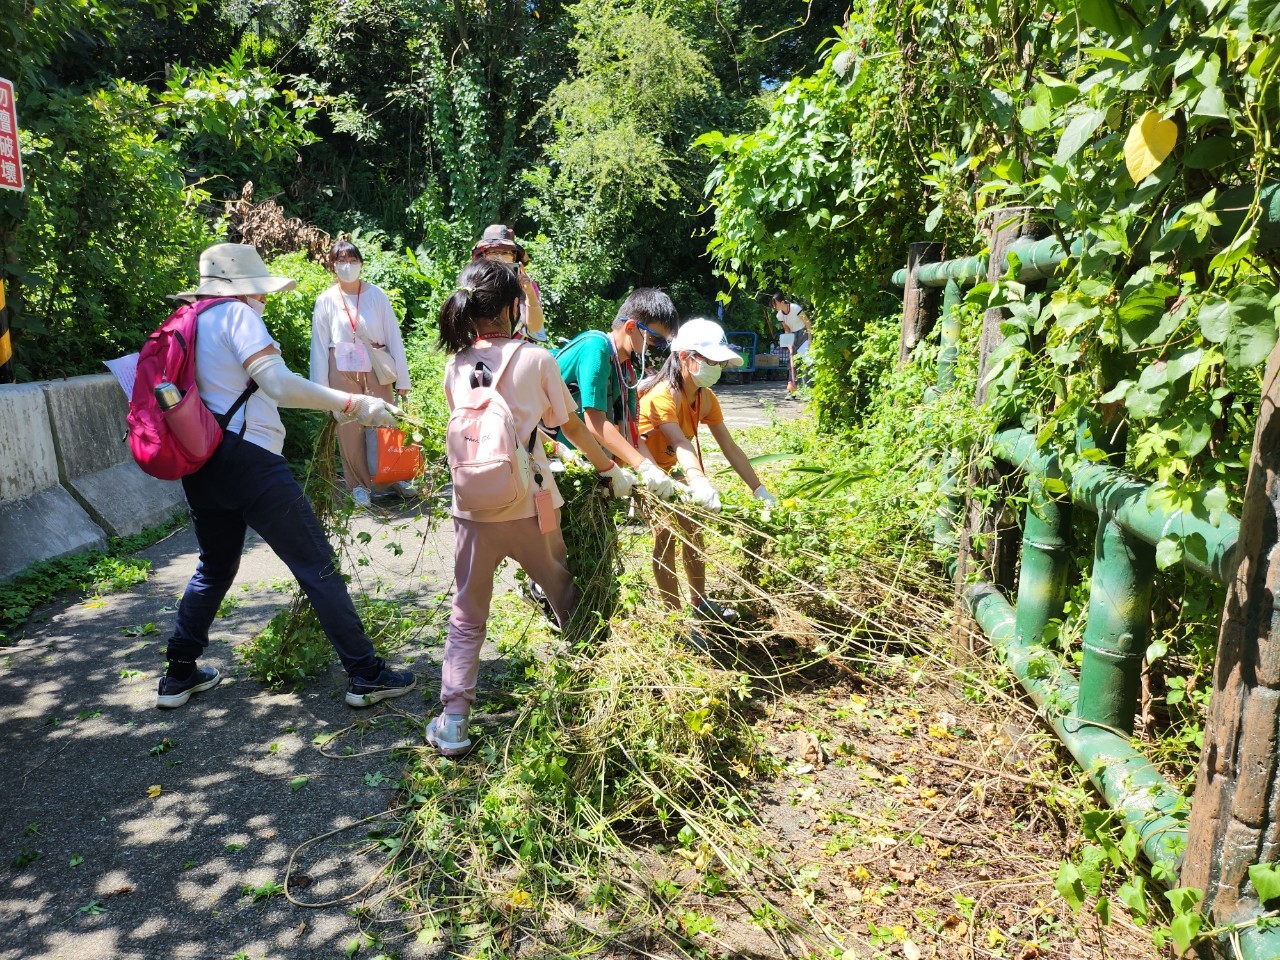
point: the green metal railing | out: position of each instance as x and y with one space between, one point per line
1093 715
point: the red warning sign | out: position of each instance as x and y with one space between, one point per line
10 154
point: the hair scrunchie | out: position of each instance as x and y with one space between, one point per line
469 291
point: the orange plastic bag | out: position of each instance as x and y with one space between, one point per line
392 458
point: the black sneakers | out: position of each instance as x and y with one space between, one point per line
174 693
387 685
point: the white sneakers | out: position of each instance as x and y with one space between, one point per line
448 734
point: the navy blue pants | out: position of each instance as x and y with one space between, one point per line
245 486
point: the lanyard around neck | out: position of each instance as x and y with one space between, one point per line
697 422
343 297
628 421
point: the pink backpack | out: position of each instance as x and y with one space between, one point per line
170 444
488 463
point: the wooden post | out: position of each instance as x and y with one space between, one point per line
1235 814
989 535
919 303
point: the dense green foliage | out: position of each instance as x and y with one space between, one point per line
1034 105
416 123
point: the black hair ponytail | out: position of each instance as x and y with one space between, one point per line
485 289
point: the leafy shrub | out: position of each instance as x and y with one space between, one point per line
110 228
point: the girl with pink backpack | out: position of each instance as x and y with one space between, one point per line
505 501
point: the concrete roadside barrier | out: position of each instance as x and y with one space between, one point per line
87 415
39 520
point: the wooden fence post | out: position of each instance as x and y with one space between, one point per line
919 303
995 526
1235 814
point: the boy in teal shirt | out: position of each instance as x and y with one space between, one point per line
601 370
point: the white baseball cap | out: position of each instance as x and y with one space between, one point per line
706 338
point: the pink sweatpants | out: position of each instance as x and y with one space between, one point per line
479 549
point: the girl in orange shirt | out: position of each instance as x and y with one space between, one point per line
674 402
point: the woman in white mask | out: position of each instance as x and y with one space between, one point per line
674 402
356 347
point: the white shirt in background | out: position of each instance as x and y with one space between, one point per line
792 320
226 336
331 324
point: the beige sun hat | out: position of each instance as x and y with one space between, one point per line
234 270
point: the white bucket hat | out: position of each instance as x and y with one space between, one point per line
234 270
706 338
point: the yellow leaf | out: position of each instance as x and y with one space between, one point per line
153 791
1150 140
521 898
860 873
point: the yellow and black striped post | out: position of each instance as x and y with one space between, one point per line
6 345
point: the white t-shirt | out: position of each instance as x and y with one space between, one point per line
227 335
331 323
792 320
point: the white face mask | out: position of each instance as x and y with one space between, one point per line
707 374
347 271
257 306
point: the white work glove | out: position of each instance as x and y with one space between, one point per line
762 493
704 494
371 412
567 454
655 479
620 482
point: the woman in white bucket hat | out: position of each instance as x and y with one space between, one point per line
674 402
248 484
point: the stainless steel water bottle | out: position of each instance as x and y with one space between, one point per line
167 395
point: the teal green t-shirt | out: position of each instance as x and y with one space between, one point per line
586 363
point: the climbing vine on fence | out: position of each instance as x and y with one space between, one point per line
1144 134
1144 128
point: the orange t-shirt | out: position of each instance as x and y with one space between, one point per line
660 405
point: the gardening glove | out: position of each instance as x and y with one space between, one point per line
567 454
762 494
704 494
653 477
620 481
372 412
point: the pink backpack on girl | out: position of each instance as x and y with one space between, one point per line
488 463
170 444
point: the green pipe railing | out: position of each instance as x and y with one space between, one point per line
1109 491
1093 716
1040 258
1046 561
1115 633
1129 781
